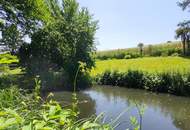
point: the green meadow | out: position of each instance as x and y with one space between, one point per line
146 64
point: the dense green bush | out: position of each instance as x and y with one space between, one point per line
174 83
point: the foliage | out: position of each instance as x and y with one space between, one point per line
20 18
184 4
7 81
20 109
8 59
61 44
183 33
174 83
140 45
8 64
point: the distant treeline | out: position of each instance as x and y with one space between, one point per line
164 49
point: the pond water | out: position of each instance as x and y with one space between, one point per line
162 111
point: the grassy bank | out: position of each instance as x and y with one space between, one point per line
173 83
147 64
158 74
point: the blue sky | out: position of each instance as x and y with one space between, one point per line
125 23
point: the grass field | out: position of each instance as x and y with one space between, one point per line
147 64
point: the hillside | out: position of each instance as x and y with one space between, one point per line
162 49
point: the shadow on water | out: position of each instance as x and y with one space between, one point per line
86 103
163 112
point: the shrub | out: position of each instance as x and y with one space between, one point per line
134 79
178 84
164 54
152 83
105 78
119 56
127 56
135 55
187 85
175 54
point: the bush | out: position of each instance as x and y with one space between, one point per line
135 55
127 56
164 54
175 54
177 85
134 79
119 56
152 83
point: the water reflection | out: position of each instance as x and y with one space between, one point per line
86 103
163 112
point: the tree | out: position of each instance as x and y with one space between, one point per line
21 17
12 38
183 32
140 45
150 48
61 44
184 4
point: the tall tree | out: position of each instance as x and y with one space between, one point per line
183 32
140 45
62 43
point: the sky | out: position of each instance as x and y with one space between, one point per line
125 23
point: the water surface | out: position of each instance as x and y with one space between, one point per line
163 111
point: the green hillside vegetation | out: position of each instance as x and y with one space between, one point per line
162 49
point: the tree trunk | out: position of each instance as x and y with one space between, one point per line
188 45
184 48
141 50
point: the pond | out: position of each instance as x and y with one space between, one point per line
162 111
